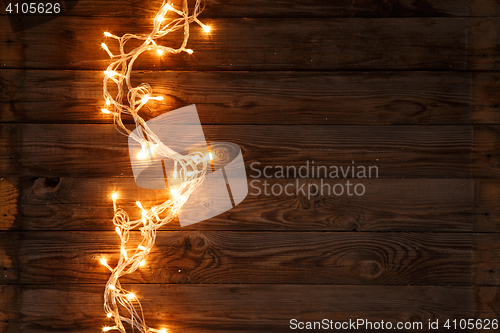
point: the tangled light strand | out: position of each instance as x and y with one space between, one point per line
189 169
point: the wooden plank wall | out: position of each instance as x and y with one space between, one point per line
409 86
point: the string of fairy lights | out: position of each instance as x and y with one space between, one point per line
190 169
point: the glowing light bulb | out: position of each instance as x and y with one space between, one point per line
206 28
145 99
109 315
142 263
131 296
106 111
174 192
108 102
159 51
138 203
112 287
118 231
142 154
124 252
189 51
105 329
105 264
105 47
111 73
114 196
142 247
107 34
162 331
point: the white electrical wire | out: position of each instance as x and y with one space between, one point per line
190 168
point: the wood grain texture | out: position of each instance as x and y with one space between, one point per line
9 201
252 44
258 257
419 205
487 204
486 265
486 106
398 151
483 40
487 143
367 98
245 308
484 8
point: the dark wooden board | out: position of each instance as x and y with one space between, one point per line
487 205
293 8
398 151
485 108
486 145
373 258
358 98
484 8
420 205
244 308
258 44
484 53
